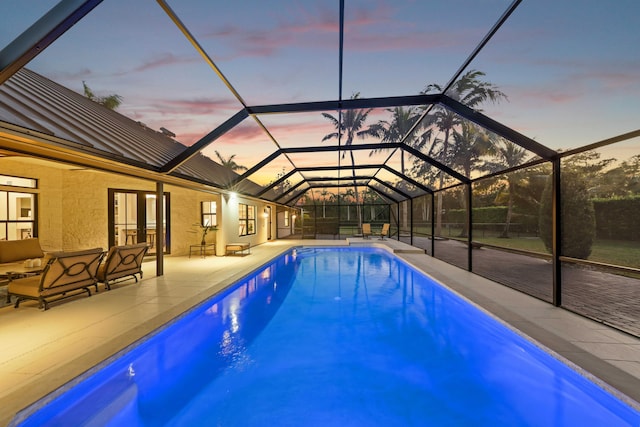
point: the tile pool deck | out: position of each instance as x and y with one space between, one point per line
40 351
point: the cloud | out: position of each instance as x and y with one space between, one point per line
575 82
164 60
302 27
201 106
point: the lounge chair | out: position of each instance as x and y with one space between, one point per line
384 231
366 231
122 261
65 274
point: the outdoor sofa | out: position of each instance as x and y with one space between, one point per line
17 251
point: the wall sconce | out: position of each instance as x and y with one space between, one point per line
265 213
231 196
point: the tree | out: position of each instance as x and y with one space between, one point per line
402 125
507 155
230 163
112 102
471 91
471 144
403 120
577 215
282 187
621 181
351 124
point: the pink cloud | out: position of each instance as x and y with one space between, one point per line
202 106
303 27
244 134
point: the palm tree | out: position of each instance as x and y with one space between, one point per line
471 144
111 102
402 123
351 124
471 91
508 155
403 120
230 163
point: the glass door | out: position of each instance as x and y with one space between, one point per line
268 213
132 218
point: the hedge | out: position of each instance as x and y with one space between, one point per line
618 219
495 215
578 216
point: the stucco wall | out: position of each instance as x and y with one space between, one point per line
50 207
229 233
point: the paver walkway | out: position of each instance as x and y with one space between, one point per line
603 296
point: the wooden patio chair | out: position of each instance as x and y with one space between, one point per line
384 231
366 231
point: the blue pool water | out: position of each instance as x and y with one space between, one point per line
335 337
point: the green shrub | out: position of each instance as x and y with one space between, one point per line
491 215
578 216
618 218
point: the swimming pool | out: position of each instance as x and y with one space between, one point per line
335 336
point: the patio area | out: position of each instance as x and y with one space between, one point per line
44 350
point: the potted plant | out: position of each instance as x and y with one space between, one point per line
204 229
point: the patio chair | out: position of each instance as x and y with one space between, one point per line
384 231
366 231
66 274
122 261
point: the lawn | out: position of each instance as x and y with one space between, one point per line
617 252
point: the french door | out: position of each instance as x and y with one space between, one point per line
132 218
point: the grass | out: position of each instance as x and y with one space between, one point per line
533 244
617 252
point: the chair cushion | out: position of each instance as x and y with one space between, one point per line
28 286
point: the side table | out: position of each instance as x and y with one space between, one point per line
202 249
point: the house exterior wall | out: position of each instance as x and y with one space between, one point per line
73 208
230 232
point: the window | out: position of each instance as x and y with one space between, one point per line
286 218
247 219
209 214
17 215
16 181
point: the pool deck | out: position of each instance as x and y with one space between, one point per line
42 350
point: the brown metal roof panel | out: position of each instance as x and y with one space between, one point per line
24 100
78 113
103 128
204 168
11 111
32 101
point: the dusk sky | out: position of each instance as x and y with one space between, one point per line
569 68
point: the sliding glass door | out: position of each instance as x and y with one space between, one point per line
132 218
